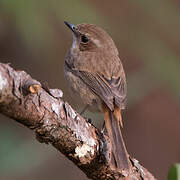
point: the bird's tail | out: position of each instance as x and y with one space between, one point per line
119 157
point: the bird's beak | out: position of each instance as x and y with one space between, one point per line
71 26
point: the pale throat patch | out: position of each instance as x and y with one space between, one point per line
74 44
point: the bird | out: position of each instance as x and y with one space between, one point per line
96 79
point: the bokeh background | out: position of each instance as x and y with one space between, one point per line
147 34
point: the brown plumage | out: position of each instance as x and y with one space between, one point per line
96 78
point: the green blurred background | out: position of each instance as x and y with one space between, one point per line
147 34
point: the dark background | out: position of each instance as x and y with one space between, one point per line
147 34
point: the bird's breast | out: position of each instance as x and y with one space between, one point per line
80 92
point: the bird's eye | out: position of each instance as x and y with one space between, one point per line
84 39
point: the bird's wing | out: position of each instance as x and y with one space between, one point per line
112 92
118 88
98 86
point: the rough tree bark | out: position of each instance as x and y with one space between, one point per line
55 122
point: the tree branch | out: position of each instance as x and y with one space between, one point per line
55 122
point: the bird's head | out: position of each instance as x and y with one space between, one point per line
89 37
